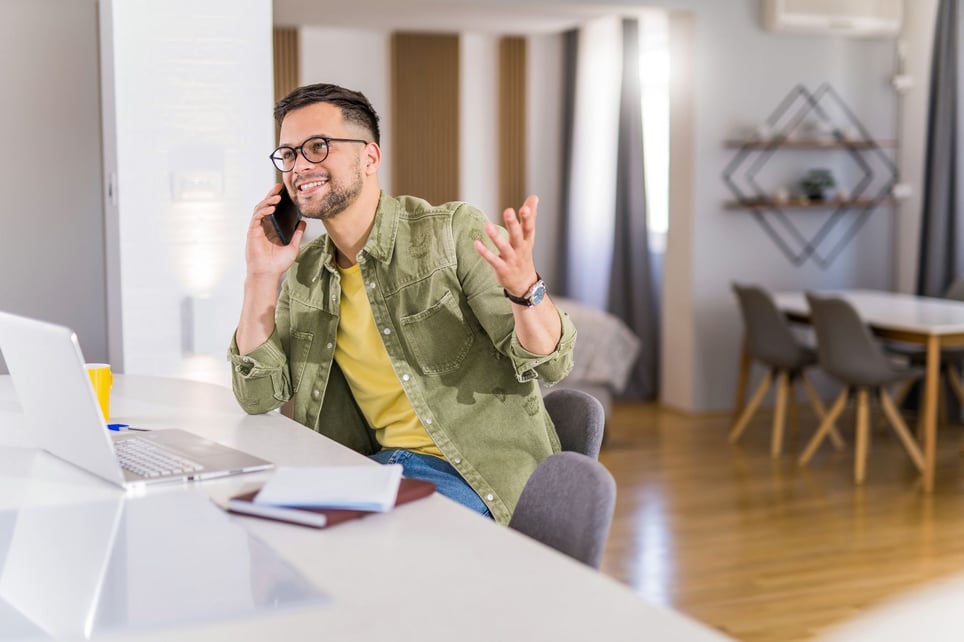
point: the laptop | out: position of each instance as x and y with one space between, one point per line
58 401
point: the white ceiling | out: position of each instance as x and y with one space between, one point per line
478 16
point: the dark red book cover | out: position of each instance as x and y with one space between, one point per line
408 490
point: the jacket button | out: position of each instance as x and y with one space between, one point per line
457 460
490 497
405 377
316 394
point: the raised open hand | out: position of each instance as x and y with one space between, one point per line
514 266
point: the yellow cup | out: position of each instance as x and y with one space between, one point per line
102 379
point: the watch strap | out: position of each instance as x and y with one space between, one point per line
523 300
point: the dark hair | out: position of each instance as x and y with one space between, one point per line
355 108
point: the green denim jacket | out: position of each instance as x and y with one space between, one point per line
449 333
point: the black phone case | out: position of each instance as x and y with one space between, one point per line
285 218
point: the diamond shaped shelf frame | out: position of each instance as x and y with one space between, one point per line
799 104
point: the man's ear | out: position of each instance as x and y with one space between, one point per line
373 158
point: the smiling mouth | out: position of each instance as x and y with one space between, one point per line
310 186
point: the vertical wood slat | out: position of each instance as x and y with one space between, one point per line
512 121
287 69
286 64
425 116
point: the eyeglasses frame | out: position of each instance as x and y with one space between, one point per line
301 148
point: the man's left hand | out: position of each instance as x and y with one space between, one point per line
514 266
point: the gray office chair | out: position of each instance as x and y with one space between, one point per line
579 418
568 504
849 353
770 341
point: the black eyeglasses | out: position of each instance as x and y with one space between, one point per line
315 150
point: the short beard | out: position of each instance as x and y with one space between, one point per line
340 196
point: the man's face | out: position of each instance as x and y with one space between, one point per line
324 190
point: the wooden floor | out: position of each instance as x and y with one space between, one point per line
762 549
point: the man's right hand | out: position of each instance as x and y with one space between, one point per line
264 254
266 261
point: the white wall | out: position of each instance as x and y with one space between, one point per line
366 70
740 74
189 87
917 37
544 145
478 123
51 222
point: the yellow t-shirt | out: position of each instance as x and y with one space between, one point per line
363 359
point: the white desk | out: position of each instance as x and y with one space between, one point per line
430 570
934 323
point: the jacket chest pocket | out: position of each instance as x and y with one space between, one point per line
298 356
439 336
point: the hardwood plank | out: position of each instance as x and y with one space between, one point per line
761 548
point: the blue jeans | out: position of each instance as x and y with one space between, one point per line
447 480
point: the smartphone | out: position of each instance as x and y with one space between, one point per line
285 217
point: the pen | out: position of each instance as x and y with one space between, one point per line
119 427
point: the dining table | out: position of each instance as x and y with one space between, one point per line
930 322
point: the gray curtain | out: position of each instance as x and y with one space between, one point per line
632 295
569 57
938 261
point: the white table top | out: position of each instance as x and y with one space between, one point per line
430 570
890 310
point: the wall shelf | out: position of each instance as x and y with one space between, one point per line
815 143
794 204
817 121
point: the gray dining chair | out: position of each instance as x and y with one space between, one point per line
849 353
771 342
580 420
568 504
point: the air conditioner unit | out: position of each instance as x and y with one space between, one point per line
866 18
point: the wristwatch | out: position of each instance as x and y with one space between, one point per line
534 296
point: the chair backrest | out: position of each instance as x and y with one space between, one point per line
579 418
955 290
768 335
568 504
846 348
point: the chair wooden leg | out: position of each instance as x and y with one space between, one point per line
900 427
941 406
921 403
821 411
825 427
863 435
751 407
793 408
779 414
954 379
903 392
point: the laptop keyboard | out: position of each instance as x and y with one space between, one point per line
147 459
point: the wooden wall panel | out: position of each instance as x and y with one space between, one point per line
286 65
512 122
425 116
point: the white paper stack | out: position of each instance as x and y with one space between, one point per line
368 488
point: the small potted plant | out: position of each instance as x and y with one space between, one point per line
817 183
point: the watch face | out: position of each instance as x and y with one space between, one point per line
538 293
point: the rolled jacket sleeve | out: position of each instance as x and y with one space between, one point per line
260 378
551 368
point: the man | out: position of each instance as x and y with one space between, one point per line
399 333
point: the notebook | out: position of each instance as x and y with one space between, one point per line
58 402
408 490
